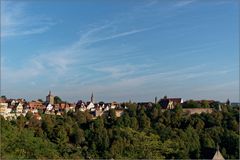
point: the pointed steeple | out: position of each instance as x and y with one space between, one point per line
92 97
49 92
218 155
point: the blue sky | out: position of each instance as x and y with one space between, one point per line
120 50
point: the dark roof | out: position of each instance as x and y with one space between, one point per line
164 103
79 102
145 104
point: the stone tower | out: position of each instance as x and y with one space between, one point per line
50 98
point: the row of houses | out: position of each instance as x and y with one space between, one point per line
12 108
96 109
15 107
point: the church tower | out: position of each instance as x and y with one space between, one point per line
50 98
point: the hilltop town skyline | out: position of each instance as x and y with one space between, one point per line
92 98
156 127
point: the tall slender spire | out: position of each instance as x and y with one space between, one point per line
92 97
49 92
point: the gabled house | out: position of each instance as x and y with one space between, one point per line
13 102
3 108
19 108
35 105
114 105
98 112
80 106
83 108
90 105
21 100
49 107
101 104
106 108
71 108
170 103
63 105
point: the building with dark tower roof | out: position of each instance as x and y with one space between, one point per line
92 98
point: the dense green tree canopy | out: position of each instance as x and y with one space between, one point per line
57 99
141 133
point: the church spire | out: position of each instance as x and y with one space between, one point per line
92 97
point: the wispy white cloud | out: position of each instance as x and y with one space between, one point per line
183 3
10 75
44 65
128 79
127 33
91 36
121 71
151 3
16 32
224 2
183 74
16 22
58 62
218 87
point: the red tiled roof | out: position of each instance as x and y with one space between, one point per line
2 100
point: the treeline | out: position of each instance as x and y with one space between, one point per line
141 133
